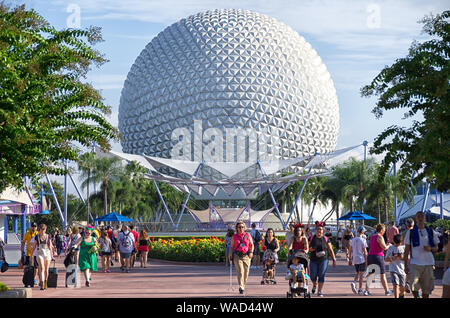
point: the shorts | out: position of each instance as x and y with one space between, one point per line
377 260
360 267
421 277
446 277
106 253
398 279
125 255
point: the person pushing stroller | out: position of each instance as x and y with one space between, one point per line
270 257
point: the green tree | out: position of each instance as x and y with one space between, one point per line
418 83
86 164
105 171
46 112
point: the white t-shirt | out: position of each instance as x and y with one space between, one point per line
419 255
358 245
397 266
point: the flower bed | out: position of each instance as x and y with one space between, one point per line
192 250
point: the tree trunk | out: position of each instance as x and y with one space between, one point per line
379 210
105 197
88 193
386 210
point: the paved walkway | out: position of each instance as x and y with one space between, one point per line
163 279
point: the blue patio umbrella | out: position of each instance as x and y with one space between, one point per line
356 215
113 217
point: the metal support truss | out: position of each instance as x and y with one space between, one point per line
187 199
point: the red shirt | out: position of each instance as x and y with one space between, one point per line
136 236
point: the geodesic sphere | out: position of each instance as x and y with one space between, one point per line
229 69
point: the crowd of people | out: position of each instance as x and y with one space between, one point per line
408 250
83 246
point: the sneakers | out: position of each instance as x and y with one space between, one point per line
313 290
367 293
353 285
360 292
388 293
319 294
241 291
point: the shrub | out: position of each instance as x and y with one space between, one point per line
3 287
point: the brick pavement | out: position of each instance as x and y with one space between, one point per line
162 279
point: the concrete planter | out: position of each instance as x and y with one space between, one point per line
17 293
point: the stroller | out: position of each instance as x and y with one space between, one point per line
270 260
296 292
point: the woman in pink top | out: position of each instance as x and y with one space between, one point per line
241 253
376 258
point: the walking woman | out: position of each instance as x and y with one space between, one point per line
376 257
73 238
143 247
271 245
45 251
320 248
346 238
88 254
241 254
106 248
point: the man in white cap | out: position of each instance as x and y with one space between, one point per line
358 257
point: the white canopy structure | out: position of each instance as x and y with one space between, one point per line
432 205
232 180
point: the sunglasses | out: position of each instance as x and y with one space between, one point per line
240 227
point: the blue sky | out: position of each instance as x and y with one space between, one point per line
355 39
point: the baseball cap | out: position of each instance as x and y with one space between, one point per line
362 229
34 224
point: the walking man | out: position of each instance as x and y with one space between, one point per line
257 237
358 257
420 242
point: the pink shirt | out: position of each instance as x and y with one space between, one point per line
391 232
375 248
241 242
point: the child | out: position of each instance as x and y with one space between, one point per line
358 257
297 271
269 266
397 266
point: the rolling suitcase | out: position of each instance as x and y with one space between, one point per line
52 281
28 276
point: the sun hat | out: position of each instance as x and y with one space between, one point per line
362 229
89 228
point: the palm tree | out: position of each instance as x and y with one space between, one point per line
105 171
332 191
314 193
86 165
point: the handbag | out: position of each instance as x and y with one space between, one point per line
5 266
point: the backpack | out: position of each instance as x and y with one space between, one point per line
257 238
126 240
